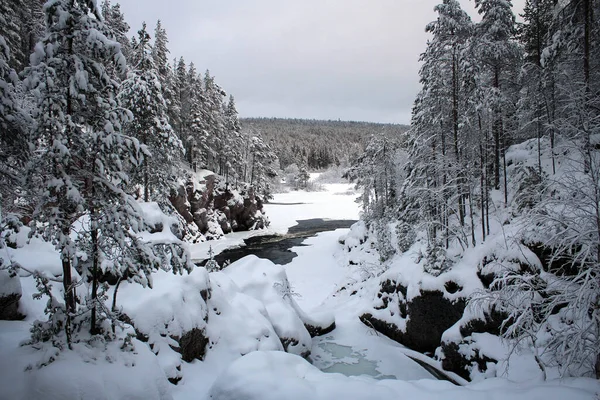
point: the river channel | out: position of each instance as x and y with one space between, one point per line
277 248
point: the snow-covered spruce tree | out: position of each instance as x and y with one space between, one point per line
10 30
197 143
80 169
160 52
375 173
13 149
141 93
260 165
214 119
180 91
22 26
233 141
378 172
302 177
75 103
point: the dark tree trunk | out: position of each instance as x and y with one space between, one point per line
95 261
497 127
461 199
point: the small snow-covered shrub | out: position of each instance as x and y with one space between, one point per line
385 246
436 260
530 184
405 236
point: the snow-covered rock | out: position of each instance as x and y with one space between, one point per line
10 294
268 283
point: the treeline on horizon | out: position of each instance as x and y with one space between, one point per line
318 144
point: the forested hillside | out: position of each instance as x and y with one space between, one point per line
488 209
317 144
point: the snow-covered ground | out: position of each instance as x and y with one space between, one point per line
353 361
247 314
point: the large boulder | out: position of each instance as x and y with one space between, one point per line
192 345
417 322
460 351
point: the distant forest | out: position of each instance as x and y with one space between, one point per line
317 144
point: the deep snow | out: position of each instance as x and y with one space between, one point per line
248 312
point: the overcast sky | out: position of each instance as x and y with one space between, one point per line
323 59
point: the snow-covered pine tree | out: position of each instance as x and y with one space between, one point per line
498 55
536 92
141 93
77 165
115 22
439 142
13 139
556 309
80 170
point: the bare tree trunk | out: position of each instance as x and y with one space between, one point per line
473 241
504 171
69 292
114 300
481 177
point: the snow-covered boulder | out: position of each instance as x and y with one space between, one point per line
86 372
171 317
10 294
267 283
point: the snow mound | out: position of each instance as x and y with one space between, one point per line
268 283
173 307
9 285
86 372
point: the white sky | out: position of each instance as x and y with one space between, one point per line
324 59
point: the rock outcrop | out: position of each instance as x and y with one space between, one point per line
418 322
211 208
